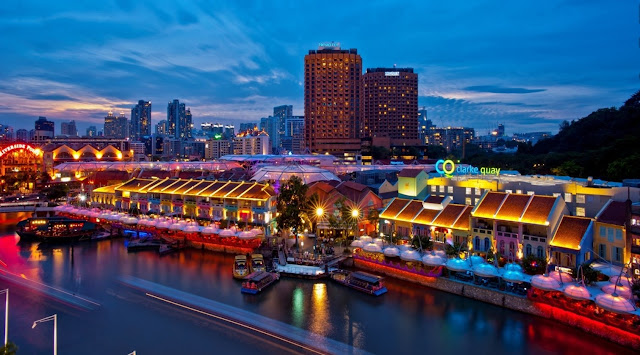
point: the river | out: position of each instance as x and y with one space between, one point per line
409 319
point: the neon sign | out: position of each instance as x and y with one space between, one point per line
392 73
16 146
448 168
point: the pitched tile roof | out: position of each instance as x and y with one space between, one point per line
410 211
426 216
513 207
434 199
539 209
463 221
394 208
449 215
409 173
570 232
613 212
489 204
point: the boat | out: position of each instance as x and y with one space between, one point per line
240 267
144 244
300 271
54 229
257 262
101 236
258 281
361 281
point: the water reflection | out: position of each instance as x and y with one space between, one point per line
298 307
320 310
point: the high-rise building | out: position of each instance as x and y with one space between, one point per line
293 138
92 131
390 110
280 113
248 126
215 148
332 99
212 130
179 120
153 145
161 128
69 129
424 125
22 135
43 129
140 120
251 143
270 125
451 138
6 132
229 131
116 127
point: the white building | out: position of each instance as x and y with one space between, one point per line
251 143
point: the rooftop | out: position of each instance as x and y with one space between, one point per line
570 232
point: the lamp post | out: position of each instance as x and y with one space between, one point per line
319 215
355 214
6 316
55 330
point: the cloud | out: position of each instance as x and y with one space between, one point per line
501 90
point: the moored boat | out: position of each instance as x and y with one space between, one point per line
361 281
257 262
54 229
258 281
240 267
144 244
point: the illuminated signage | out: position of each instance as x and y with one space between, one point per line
392 73
17 146
448 168
331 45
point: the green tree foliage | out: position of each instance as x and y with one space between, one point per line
590 275
436 152
292 203
9 349
378 152
421 243
56 191
455 249
533 265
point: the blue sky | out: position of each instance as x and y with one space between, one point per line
522 63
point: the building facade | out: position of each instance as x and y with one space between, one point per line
251 143
44 130
332 100
215 148
140 120
390 109
69 129
116 126
179 120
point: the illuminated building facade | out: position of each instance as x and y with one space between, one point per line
251 143
19 157
44 129
179 121
332 100
390 112
248 202
115 126
140 120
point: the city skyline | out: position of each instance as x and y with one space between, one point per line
527 66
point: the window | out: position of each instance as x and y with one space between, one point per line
441 188
567 197
617 254
603 232
540 252
518 191
530 193
580 211
450 189
527 250
434 188
618 234
467 191
502 247
476 243
556 194
477 200
602 251
579 198
467 201
610 234
478 192
508 191
487 244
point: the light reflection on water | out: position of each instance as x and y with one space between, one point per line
408 319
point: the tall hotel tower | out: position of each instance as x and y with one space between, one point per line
332 100
391 106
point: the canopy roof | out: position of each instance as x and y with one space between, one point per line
145 165
307 173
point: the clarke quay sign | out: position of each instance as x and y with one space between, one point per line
448 168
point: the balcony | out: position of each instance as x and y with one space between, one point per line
507 234
483 231
534 238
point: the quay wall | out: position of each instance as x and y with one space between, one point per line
513 302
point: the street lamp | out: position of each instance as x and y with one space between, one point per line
355 214
55 330
6 316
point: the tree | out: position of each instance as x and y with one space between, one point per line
421 243
291 204
57 191
378 152
373 217
590 275
533 265
455 249
9 349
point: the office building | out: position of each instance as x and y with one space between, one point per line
248 126
390 110
161 128
251 143
140 120
451 138
215 148
44 129
424 125
116 126
179 120
22 135
332 100
68 129
153 145
92 131
293 138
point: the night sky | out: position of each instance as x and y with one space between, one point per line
480 63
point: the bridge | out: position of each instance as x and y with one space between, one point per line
25 206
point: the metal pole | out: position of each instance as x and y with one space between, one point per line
55 334
6 317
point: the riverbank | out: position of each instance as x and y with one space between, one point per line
513 302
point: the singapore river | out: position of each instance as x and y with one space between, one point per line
409 319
